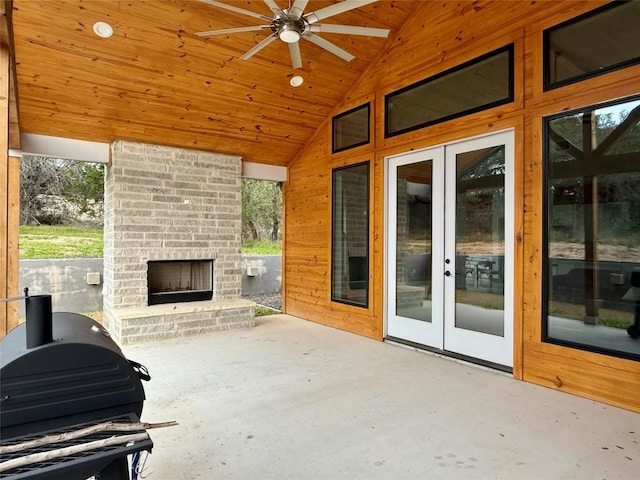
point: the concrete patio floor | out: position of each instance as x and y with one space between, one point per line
291 399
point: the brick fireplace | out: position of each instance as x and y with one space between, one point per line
172 229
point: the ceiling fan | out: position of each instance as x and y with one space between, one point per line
292 24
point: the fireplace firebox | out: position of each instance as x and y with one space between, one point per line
173 281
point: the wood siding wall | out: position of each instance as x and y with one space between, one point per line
9 205
439 36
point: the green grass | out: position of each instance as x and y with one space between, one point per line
58 241
606 316
490 301
261 247
263 311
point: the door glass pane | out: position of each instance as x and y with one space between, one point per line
479 240
413 243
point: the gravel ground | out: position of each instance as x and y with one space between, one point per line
272 300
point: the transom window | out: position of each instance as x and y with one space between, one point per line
350 129
477 85
600 41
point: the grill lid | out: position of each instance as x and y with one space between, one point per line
79 376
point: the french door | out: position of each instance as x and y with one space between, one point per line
450 248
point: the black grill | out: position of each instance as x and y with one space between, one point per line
59 373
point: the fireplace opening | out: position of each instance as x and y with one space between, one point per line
172 281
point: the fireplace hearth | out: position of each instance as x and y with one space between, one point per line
174 281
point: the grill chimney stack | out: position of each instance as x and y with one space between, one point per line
39 323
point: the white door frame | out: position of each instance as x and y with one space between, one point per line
483 346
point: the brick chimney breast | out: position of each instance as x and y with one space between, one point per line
171 204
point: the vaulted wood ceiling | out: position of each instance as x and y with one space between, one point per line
155 81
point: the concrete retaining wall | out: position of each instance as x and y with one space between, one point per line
66 280
261 274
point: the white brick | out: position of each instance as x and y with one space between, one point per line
164 203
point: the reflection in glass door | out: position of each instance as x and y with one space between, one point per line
450 248
479 188
479 239
415 190
414 237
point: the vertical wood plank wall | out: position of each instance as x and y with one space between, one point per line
4 177
439 36
9 204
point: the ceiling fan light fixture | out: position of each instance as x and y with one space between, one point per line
289 34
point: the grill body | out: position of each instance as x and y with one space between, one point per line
78 378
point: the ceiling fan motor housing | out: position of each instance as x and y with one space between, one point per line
289 28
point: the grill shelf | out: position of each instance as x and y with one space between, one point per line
80 465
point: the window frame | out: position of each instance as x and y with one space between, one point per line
336 118
510 49
365 305
545 297
547 85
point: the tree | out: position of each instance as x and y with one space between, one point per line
55 191
261 209
40 179
85 188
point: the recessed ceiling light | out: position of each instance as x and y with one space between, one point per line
296 81
102 29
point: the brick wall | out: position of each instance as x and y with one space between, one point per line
402 224
350 233
357 202
165 203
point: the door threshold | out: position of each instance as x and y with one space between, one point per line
448 355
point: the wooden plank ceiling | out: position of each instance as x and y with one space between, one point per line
155 81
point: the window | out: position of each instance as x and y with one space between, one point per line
483 83
600 41
350 129
592 234
350 235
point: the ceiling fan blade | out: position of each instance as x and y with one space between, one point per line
259 47
234 30
349 29
335 9
296 58
236 9
297 9
273 6
329 47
